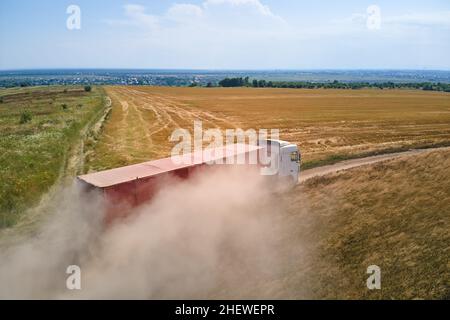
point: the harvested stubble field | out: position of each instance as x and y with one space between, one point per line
393 214
328 125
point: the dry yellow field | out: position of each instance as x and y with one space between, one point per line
328 125
393 214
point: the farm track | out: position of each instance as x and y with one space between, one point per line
169 107
354 163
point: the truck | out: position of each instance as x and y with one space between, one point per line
131 186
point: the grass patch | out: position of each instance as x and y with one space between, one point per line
25 117
36 134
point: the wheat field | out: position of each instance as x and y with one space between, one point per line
327 125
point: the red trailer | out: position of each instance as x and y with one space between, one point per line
130 186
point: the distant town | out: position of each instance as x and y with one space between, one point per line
278 78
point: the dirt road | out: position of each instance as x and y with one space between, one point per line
353 163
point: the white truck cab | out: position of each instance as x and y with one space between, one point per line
289 158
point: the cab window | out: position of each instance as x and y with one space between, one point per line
294 156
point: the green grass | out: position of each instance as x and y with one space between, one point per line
33 152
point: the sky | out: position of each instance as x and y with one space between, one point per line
225 34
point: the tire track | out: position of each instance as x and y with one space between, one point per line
354 163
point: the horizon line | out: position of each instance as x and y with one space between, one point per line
223 69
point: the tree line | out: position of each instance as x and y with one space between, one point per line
255 83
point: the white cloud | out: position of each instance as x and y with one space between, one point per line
137 15
240 14
236 29
253 4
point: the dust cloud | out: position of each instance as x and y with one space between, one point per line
216 235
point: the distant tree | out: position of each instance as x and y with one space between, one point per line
261 83
428 86
64 106
231 82
209 85
224 82
335 84
87 88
